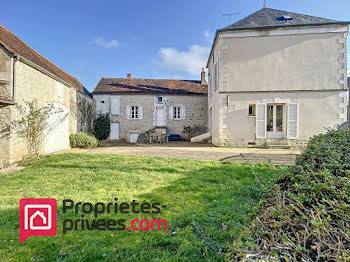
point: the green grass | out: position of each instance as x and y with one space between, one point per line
208 204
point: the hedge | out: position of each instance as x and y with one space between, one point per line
83 140
102 126
307 217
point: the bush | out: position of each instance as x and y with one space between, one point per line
83 140
102 126
307 217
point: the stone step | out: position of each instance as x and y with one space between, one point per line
282 146
207 141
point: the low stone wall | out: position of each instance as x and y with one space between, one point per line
262 143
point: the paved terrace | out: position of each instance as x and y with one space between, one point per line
195 151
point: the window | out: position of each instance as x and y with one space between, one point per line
251 110
177 112
160 99
134 112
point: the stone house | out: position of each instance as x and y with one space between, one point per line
276 78
139 105
25 75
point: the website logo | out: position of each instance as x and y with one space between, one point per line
37 217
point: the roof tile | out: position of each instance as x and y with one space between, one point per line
149 86
15 45
268 17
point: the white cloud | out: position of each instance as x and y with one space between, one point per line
99 41
190 61
208 36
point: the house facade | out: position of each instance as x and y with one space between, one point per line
25 75
277 77
138 105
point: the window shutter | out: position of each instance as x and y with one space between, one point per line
171 113
140 112
128 112
183 112
115 105
260 120
292 126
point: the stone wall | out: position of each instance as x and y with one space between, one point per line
5 116
195 106
30 84
85 112
5 74
5 109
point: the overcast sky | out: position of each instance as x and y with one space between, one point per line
150 39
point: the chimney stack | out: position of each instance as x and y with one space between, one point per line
203 82
129 76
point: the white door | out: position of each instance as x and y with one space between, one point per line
275 121
114 131
160 116
57 132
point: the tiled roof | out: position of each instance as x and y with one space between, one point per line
15 45
149 86
5 98
269 18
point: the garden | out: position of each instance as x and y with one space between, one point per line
215 210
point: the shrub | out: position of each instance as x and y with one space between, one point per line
102 126
32 124
307 217
83 140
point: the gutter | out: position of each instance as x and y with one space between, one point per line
18 57
267 28
4 101
161 94
14 80
44 71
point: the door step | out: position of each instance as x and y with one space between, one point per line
278 144
279 147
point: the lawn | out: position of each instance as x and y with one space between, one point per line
208 204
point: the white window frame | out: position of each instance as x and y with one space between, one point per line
134 112
177 113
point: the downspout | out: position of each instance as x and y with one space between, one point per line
16 58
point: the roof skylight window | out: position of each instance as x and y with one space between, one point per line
286 17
